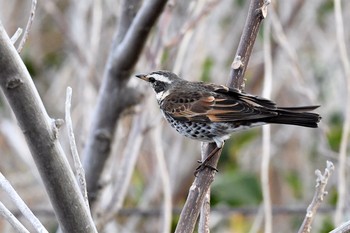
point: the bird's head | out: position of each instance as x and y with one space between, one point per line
161 82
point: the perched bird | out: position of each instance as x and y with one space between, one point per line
211 113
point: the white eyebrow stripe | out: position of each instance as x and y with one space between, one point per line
161 78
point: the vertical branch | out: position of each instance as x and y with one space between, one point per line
78 167
266 146
189 214
165 181
203 225
342 193
127 164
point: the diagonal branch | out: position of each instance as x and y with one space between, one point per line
201 185
256 13
40 132
114 96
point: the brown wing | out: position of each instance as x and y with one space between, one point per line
217 104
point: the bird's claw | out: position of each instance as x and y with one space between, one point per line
202 166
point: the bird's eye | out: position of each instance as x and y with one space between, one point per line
151 80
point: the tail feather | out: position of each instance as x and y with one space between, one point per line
296 116
300 109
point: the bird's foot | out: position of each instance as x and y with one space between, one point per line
202 166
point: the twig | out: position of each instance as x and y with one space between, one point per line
191 24
7 215
78 167
320 193
342 183
266 146
29 25
165 180
17 200
41 136
17 34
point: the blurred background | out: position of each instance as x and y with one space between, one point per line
68 46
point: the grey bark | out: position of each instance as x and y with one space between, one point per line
41 134
115 96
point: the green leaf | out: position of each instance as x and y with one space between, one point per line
236 188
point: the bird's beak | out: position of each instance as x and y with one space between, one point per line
142 76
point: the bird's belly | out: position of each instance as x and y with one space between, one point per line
206 132
199 130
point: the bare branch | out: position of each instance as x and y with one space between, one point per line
198 190
203 225
256 13
80 173
343 228
17 225
204 179
113 93
41 136
17 34
29 25
342 189
320 192
266 146
191 23
17 200
165 180
127 164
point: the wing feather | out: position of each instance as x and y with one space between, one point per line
217 104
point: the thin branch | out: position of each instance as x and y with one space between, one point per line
256 13
41 135
190 24
17 200
203 225
17 34
342 189
165 180
7 215
125 171
266 146
343 228
197 192
320 193
201 185
113 93
29 25
78 167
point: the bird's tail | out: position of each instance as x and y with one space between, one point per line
297 116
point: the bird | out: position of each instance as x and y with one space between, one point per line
209 112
